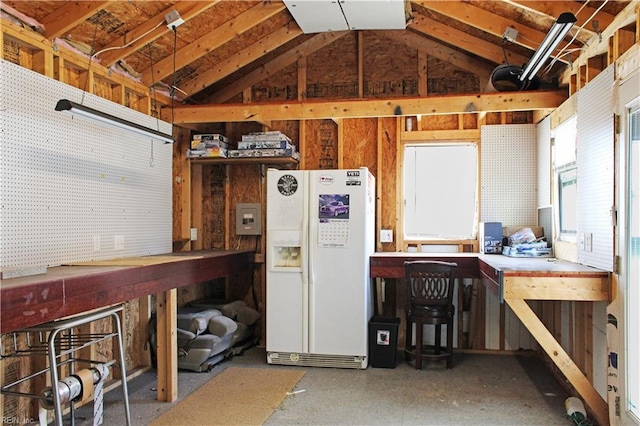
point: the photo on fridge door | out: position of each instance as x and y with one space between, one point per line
334 206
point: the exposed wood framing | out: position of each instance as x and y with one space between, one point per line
275 65
514 101
211 41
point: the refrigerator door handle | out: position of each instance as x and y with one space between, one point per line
305 264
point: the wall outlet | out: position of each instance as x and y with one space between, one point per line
194 234
386 236
588 241
97 243
118 242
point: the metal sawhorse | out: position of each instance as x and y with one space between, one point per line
59 343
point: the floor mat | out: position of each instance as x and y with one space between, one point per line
236 396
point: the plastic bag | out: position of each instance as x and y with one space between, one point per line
525 235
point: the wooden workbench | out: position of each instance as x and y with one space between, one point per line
74 289
516 280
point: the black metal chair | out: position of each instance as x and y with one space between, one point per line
429 300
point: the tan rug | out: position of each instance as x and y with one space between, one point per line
236 396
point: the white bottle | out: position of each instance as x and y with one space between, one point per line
575 409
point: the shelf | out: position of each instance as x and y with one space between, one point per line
247 160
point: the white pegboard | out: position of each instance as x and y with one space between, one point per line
595 170
508 178
68 182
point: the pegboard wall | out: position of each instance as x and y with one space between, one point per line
74 189
508 174
595 171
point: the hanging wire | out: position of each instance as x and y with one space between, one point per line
173 79
155 104
152 160
129 43
504 50
93 46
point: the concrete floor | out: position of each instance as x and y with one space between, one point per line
480 389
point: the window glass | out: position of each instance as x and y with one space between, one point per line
440 191
564 162
567 200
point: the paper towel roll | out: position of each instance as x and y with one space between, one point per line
86 378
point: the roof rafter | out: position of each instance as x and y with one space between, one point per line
553 9
210 41
463 40
64 18
242 58
437 50
149 31
277 64
487 21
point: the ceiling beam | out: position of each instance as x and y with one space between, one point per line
288 58
242 58
356 108
72 14
488 22
464 41
437 50
581 11
211 41
149 31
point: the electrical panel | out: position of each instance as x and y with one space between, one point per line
248 219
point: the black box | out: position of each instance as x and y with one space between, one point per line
383 342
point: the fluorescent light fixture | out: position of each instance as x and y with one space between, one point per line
555 35
66 105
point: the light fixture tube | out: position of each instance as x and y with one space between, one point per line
66 105
555 35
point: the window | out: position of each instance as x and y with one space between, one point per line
567 200
440 191
564 161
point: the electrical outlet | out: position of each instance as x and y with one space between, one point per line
96 243
118 242
588 241
386 236
194 234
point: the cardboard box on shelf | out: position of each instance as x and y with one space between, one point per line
213 152
281 144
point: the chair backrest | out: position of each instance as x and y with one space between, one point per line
429 283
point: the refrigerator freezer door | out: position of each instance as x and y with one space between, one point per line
340 242
287 285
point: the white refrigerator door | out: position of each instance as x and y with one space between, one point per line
287 285
341 239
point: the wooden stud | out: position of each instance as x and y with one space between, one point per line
166 309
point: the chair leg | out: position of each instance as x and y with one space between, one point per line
438 339
450 343
407 340
418 357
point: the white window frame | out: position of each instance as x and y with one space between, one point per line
564 162
449 179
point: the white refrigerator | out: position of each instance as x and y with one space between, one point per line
320 234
